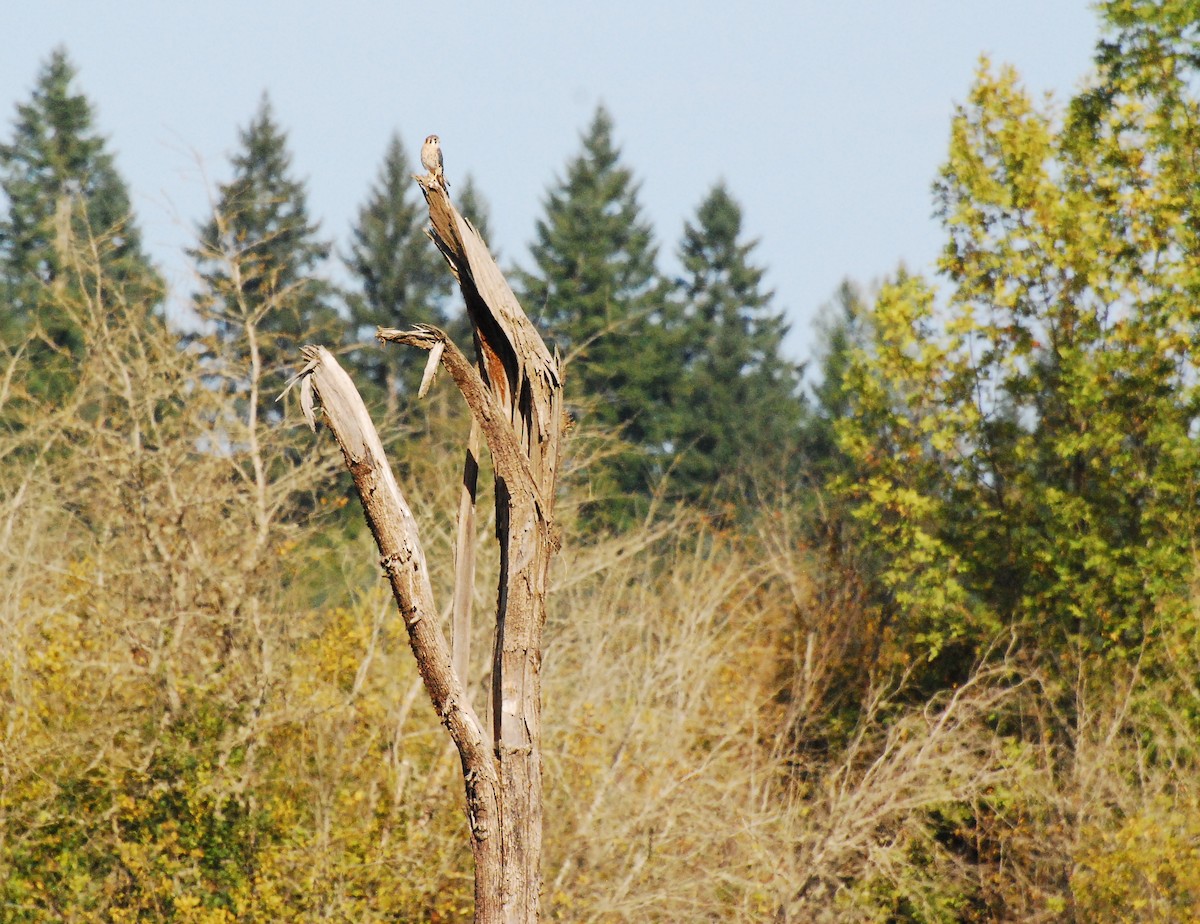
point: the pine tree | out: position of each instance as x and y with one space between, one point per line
60 183
597 291
259 254
738 408
839 332
404 280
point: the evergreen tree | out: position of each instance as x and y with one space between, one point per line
738 406
839 331
60 183
259 253
404 280
597 291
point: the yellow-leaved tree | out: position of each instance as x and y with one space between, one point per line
1022 448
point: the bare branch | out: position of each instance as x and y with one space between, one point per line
512 466
395 531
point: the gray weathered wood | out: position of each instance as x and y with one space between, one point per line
515 401
516 398
395 531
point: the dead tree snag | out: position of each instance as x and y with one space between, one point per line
514 394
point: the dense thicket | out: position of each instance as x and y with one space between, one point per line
920 647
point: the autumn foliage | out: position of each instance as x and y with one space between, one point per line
942 670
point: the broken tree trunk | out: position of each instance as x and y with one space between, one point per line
515 400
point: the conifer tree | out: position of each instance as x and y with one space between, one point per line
738 405
596 287
259 253
840 329
403 279
60 182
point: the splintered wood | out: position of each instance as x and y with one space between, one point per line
514 394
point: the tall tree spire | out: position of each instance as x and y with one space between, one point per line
596 287
60 183
738 404
260 254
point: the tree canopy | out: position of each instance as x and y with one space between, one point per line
260 255
1025 446
60 184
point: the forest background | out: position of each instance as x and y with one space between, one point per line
909 635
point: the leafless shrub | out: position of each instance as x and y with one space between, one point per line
650 695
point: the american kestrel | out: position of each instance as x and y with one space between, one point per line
431 159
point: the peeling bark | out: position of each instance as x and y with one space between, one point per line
515 400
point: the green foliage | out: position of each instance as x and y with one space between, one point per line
60 184
1024 450
404 282
735 409
142 841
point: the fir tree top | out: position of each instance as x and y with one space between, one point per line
737 408
261 221
260 258
595 254
718 269
63 194
403 281
58 160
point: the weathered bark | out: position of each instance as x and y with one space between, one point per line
525 381
395 530
524 389
464 558
515 400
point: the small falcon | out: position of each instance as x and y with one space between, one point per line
431 159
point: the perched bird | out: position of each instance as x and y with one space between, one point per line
431 159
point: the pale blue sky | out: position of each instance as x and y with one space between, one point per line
827 120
